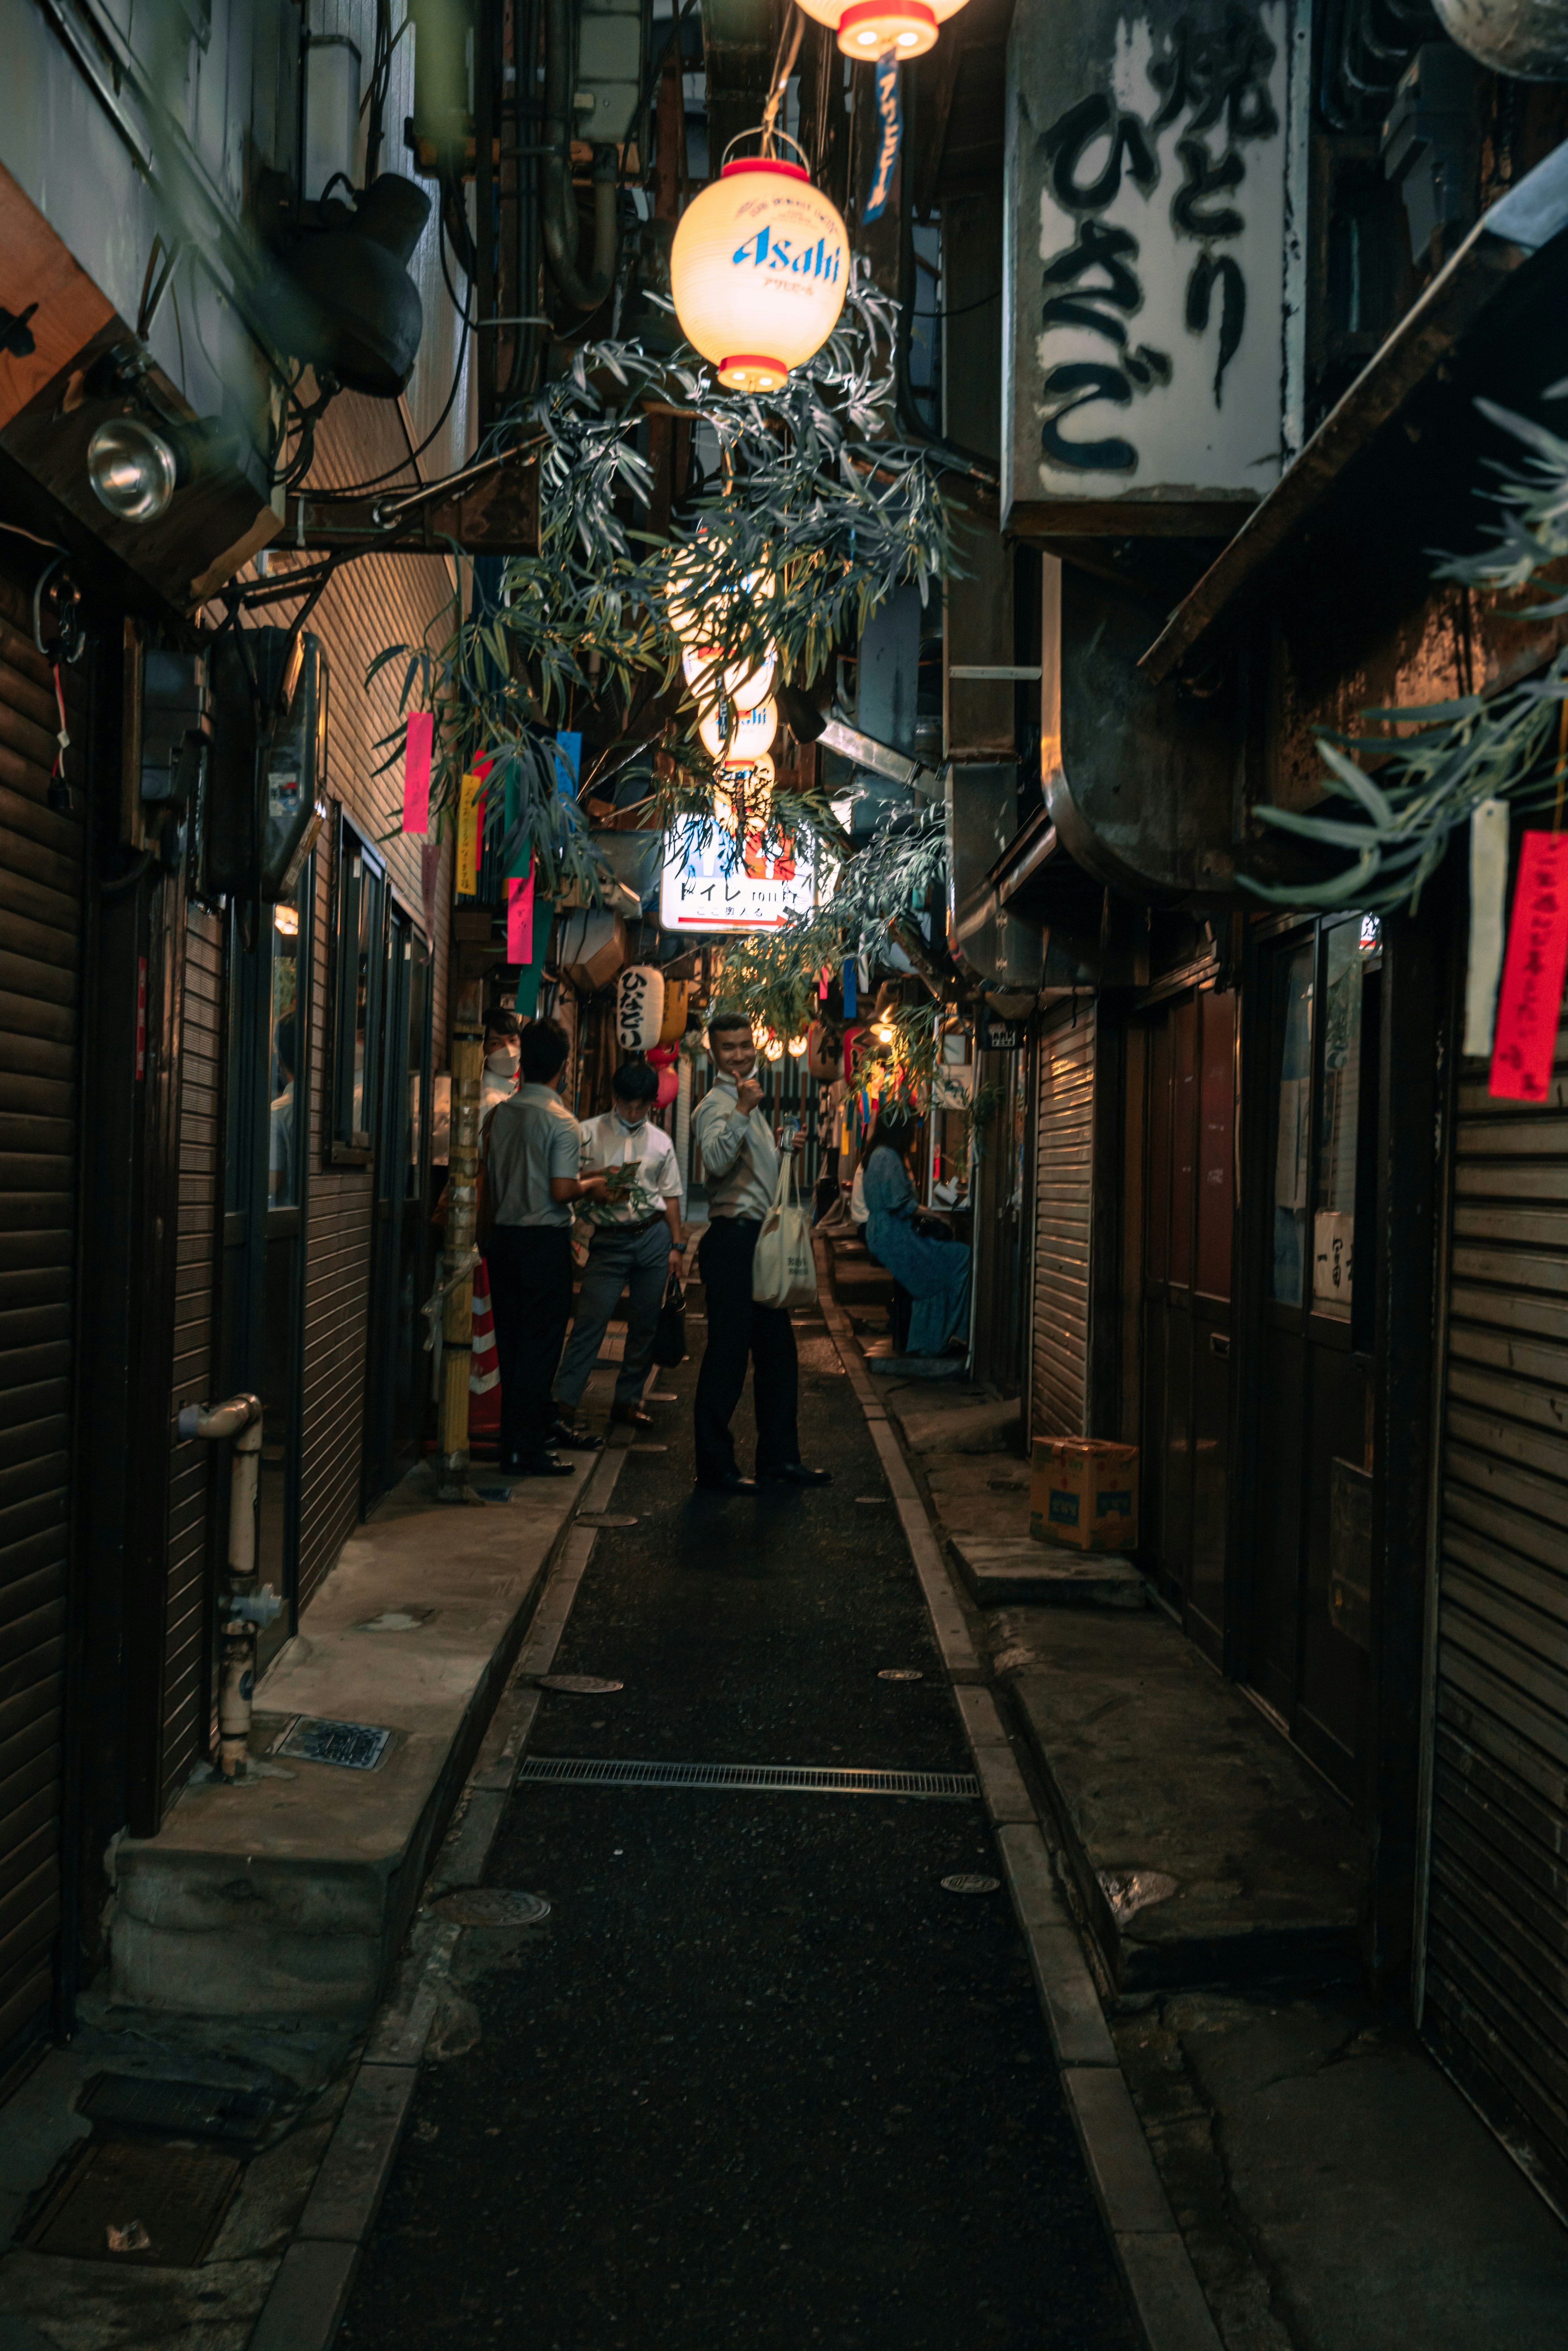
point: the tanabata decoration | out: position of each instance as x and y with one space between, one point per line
1531 997
417 744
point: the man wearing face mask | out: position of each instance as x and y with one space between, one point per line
500 1077
636 1247
740 1159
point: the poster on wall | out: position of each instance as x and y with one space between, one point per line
705 886
1155 203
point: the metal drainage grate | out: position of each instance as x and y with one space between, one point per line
775 1779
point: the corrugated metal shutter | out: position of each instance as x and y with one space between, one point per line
41 857
1063 1189
1496 1961
186 1698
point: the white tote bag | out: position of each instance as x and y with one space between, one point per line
784 1271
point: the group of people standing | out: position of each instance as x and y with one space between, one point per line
540 1167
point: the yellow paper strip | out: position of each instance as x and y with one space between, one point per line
467 880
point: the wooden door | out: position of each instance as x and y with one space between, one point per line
1190 1127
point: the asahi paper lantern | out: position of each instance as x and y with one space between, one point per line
871 28
745 682
639 1008
758 268
750 732
698 610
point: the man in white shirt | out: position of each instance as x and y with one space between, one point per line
635 1247
531 1152
740 1161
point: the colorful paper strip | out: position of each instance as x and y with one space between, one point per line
850 999
465 882
417 753
1531 998
532 973
520 918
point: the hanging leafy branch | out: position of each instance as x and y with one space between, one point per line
1508 745
811 522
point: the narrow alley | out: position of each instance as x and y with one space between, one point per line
759 2079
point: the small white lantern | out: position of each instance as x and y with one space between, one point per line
745 683
738 736
871 28
758 269
639 1008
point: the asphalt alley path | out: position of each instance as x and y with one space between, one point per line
758 2081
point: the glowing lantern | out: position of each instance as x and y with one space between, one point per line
758 269
696 608
882 1030
870 28
797 1047
773 1050
750 734
745 682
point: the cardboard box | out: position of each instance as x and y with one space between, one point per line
1083 1493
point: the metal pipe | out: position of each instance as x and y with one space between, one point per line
558 209
243 1606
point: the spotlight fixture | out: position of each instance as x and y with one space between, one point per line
134 468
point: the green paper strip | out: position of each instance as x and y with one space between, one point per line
531 975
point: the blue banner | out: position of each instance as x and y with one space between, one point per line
891 121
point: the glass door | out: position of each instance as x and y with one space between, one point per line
1320 991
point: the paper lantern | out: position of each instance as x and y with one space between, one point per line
639 1008
871 28
750 732
669 1087
758 269
773 1050
696 609
797 1047
745 682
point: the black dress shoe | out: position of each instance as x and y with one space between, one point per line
577 1440
732 1482
794 1473
539 1465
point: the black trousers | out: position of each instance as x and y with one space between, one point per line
530 1297
738 1327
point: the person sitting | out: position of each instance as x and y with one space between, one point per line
636 1246
936 1274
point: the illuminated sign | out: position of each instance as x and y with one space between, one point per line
705 886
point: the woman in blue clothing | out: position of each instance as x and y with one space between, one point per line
934 1273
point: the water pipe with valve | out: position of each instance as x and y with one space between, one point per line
243 1606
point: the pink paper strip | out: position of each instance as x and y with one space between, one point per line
416 771
1532 973
520 920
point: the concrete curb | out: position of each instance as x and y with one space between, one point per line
1156 2270
309 2293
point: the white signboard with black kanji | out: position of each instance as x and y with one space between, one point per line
1155 210
706 886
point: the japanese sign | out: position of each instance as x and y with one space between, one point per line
1152 334
705 887
1531 1000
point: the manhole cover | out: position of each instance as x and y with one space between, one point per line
964 1883
489 1905
156 2205
184 2109
578 1684
395 1620
900 1674
356 1746
605 1519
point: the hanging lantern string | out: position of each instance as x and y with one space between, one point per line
783 67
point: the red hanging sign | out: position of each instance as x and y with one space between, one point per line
417 746
1531 996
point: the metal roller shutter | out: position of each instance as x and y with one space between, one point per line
1495 2002
41 875
1063 1197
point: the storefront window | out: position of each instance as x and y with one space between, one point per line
1293 1162
1333 1219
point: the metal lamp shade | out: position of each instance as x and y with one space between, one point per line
133 470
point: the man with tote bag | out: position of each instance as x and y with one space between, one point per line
747 1190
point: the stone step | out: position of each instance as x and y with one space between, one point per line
859 1285
1010 1571
1205 1850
